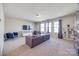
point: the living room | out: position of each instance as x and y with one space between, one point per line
49 22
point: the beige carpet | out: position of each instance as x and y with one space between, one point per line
52 47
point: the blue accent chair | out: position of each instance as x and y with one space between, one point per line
9 35
15 34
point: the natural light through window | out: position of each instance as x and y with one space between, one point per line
56 26
42 27
47 26
50 27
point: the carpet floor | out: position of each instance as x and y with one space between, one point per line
51 47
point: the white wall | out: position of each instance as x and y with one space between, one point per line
68 20
1 28
15 25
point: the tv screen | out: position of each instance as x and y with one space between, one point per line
25 27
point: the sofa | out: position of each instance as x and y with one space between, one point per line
35 40
36 32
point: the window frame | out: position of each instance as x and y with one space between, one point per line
47 27
56 26
42 27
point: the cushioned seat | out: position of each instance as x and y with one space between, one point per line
15 34
9 35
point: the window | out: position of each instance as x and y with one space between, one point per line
45 27
56 26
42 25
50 26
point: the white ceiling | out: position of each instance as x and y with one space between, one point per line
29 11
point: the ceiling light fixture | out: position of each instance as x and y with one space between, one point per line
37 15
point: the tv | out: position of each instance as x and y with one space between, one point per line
25 27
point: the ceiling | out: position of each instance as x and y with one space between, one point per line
38 11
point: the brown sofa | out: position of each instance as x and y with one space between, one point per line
35 40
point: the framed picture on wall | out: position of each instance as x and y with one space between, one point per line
25 27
